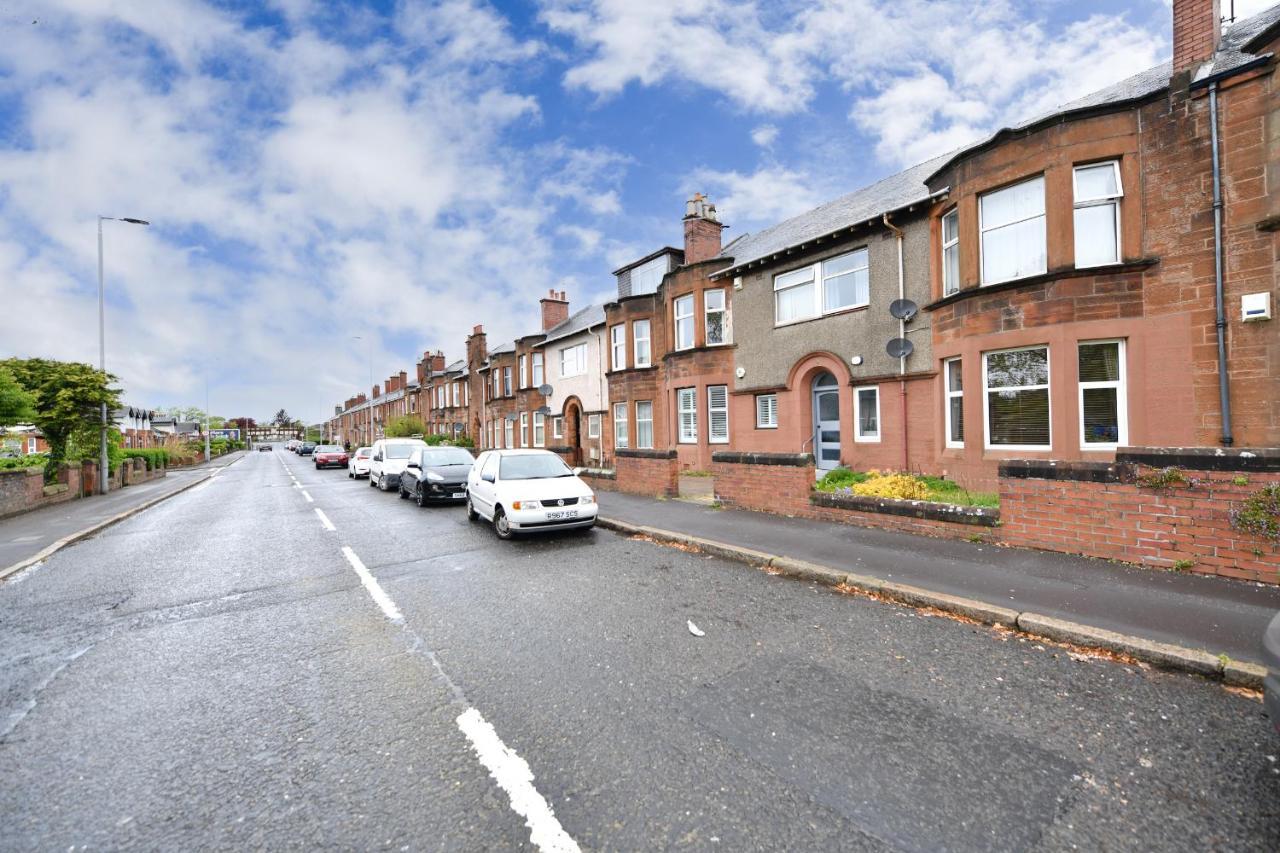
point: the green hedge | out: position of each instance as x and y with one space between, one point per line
155 457
33 460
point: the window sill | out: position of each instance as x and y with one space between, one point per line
822 316
1041 278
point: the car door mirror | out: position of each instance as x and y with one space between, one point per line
488 478
377 457
413 465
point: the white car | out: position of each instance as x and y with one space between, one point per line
358 464
390 455
528 491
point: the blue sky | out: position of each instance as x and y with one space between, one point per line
405 170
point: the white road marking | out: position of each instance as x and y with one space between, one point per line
203 485
513 775
324 519
379 596
307 496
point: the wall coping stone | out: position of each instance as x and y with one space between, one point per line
979 516
734 457
1204 458
637 453
1048 469
600 473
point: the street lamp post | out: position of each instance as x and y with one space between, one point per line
370 343
103 475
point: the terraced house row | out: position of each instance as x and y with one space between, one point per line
1089 281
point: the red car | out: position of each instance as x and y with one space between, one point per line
330 456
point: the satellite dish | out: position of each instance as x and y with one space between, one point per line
903 309
545 390
543 410
900 348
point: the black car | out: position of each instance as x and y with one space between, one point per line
1271 659
436 474
264 448
307 448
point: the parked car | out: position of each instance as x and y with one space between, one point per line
436 474
1271 660
264 448
292 444
306 448
528 491
358 465
389 458
329 456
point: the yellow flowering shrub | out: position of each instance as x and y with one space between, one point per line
900 486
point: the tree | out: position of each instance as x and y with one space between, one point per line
68 402
242 424
404 426
282 420
185 413
17 404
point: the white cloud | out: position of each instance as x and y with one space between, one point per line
759 198
764 135
921 76
302 191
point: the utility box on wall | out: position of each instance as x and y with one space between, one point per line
1255 306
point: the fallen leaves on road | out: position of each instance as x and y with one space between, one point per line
679 546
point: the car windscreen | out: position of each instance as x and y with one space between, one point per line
364 452
533 466
328 448
446 456
398 451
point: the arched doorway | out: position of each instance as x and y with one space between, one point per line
826 422
573 432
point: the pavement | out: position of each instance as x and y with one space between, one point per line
1217 615
25 536
286 658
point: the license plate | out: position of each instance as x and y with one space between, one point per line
565 513
459 494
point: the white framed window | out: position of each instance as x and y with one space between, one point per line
718 414
537 379
640 337
620 425
866 413
506 381
539 429
1104 416
557 427
766 411
644 424
524 374
457 394
1015 390
1011 224
573 360
1097 213
31 444
497 383
684 322
687 415
951 252
823 288
618 346
593 425
524 429
510 429
717 317
953 376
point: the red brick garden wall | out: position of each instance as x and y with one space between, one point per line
647 472
22 490
1169 516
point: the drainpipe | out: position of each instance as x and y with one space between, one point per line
1221 320
902 333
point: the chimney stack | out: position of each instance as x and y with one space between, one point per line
1197 29
361 398
377 391
437 362
555 309
404 380
701 230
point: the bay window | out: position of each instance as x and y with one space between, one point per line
539 429
1097 213
1012 225
506 381
1016 397
1103 411
951 253
524 429
684 322
524 374
954 414
640 336
644 424
618 346
620 425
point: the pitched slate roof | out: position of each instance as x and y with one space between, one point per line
888 194
583 319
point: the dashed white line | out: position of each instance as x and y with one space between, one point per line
307 496
379 596
324 519
513 775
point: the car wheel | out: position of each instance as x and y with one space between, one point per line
501 525
421 496
472 515
400 488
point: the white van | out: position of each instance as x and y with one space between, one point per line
389 458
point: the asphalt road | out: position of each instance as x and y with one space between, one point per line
215 673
